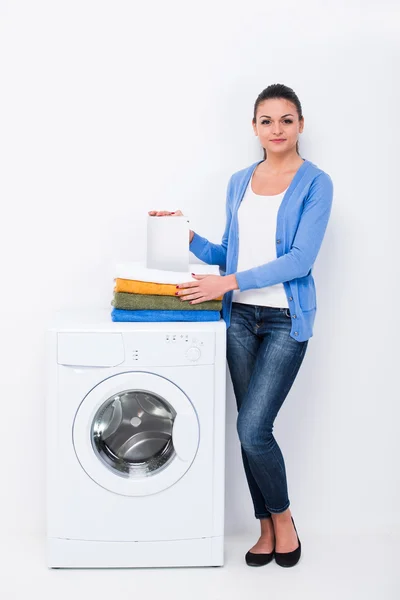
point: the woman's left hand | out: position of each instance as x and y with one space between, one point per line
206 287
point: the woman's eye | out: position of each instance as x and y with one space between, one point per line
268 121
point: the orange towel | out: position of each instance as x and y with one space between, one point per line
132 286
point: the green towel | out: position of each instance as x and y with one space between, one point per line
152 302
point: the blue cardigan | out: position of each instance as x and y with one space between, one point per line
301 224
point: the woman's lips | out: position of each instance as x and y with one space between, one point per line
277 141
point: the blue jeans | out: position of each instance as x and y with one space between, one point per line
263 362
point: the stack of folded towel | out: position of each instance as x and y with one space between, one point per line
143 294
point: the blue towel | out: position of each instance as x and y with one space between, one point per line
119 314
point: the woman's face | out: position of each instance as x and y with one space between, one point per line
277 118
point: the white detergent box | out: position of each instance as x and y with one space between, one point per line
168 243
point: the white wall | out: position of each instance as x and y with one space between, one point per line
109 109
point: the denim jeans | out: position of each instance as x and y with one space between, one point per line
263 361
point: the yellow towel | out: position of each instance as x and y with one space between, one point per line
132 286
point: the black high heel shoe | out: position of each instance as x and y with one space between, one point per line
258 560
289 559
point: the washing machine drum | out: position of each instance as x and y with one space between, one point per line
132 432
136 433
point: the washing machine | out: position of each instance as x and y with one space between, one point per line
135 442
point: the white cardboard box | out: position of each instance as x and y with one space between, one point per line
168 243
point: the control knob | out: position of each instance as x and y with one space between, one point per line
193 353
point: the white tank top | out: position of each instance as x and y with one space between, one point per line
257 217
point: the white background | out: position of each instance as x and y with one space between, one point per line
109 109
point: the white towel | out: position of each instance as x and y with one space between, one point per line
139 272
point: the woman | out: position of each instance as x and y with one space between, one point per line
277 213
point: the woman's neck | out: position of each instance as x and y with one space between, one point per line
279 165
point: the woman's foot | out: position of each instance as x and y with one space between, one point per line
263 551
285 533
266 541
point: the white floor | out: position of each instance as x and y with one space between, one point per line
339 569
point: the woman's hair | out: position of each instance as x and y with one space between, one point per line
278 90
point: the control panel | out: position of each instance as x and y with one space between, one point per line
169 348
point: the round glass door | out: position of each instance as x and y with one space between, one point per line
136 433
132 433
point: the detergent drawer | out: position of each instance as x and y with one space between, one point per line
90 349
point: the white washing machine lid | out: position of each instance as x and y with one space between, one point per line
116 409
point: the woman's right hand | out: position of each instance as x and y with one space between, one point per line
166 213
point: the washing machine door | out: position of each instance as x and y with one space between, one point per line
136 433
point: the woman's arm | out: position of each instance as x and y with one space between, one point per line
306 244
208 252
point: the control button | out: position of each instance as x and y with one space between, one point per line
193 353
